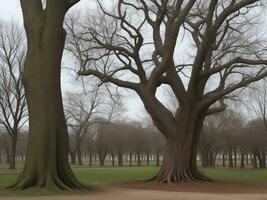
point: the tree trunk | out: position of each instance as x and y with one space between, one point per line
262 159
230 157
12 163
157 159
113 159
242 160
147 159
120 162
79 156
180 155
223 159
179 164
254 161
131 159
72 157
47 163
90 158
235 156
7 152
138 159
247 159
101 158
204 158
214 157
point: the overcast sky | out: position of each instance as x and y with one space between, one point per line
10 11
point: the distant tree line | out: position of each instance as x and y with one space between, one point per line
227 141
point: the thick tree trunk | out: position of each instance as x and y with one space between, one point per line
180 156
179 164
147 159
47 163
12 163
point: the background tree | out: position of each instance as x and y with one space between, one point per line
13 109
141 55
209 144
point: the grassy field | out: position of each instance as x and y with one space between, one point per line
97 175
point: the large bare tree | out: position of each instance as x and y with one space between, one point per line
136 45
47 163
13 109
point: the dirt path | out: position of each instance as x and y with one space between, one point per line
133 194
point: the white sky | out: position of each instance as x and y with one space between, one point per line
10 11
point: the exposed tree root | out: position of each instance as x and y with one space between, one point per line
180 176
48 182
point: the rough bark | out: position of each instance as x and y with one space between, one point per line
46 163
179 162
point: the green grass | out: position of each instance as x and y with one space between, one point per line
225 174
107 175
97 175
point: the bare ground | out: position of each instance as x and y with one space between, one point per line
152 191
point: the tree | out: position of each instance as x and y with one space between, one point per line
256 142
13 109
47 152
141 55
80 117
103 142
87 109
259 98
209 143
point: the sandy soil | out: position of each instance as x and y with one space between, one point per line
127 194
148 191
